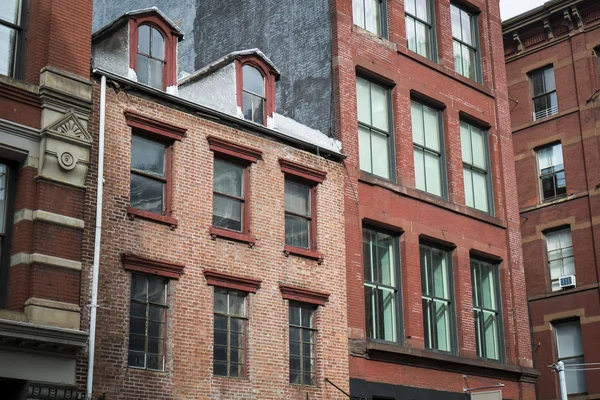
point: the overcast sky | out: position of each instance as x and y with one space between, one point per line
510 8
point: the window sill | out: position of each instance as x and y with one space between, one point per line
554 201
306 253
546 119
227 234
163 219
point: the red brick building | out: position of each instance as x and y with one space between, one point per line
435 275
553 76
45 102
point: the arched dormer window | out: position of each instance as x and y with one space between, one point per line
150 57
253 96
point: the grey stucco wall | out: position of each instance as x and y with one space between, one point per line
217 90
112 53
294 34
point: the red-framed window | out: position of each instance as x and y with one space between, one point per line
151 169
255 89
153 51
231 190
301 209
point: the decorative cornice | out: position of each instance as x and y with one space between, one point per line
149 266
233 149
220 279
289 292
301 171
148 124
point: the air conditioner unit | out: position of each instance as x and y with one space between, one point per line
567 281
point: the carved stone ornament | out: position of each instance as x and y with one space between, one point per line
67 161
71 127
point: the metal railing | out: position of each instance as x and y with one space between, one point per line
545 113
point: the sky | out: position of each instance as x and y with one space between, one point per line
510 8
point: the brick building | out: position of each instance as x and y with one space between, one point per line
45 103
553 77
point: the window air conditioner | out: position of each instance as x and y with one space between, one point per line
567 281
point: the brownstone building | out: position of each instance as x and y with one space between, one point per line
45 102
553 77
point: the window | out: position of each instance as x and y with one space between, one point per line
229 195
374 128
230 333
561 262
302 344
149 164
253 98
12 36
486 308
428 148
466 46
148 309
298 214
150 57
569 346
381 286
370 15
544 98
552 172
476 167
7 201
438 321
419 27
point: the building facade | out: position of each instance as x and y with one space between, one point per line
45 104
553 77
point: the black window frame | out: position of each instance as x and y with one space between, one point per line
433 56
7 236
382 22
244 324
488 173
495 265
18 67
398 289
314 331
534 96
553 174
476 46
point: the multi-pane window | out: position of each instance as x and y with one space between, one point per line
370 15
381 285
11 35
228 195
465 41
569 346
7 183
302 344
428 148
543 86
552 172
151 56
148 312
229 333
475 167
486 308
298 214
253 94
374 128
561 262
148 174
419 27
438 320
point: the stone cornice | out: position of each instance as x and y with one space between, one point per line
220 279
303 295
227 148
301 171
149 266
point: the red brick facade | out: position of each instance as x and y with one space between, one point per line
549 38
415 215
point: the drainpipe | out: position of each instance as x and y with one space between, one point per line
98 231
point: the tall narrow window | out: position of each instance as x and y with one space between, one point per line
253 97
561 261
543 87
475 167
7 183
569 346
438 321
486 308
298 214
553 183
370 15
302 344
381 285
419 27
148 312
428 149
466 43
228 195
149 160
374 128
11 35
151 56
229 333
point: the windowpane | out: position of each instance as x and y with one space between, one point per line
144 39
409 7
139 288
490 329
465 143
143 74
486 309
147 194
3 196
479 151
158 45
297 197
157 292
364 144
381 162
419 169
302 363
253 80
358 13
576 380
422 11
156 74
433 175
422 32
458 62
411 34
296 231
431 126
228 178
147 155
465 24
442 325
379 103
456 21
480 191
10 11
418 130
468 59
363 97
372 17
253 107
8 38
569 344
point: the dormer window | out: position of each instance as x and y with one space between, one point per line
253 98
150 57
255 77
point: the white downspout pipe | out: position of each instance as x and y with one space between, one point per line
98 232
